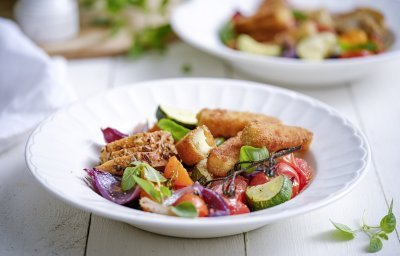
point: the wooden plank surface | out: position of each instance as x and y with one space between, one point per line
32 222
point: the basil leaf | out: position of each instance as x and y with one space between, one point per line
177 131
227 33
152 174
388 223
148 187
249 153
375 245
165 191
128 180
219 141
343 228
383 235
185 209
299 15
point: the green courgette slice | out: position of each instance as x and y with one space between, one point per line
274 192
183 117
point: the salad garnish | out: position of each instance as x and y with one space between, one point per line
376 233
212 163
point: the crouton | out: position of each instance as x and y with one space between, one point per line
195 146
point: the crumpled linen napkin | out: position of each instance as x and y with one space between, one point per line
32 85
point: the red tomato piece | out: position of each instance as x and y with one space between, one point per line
259 179
236 203
288 171
197 201
355 54
303 175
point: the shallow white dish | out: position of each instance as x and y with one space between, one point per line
197 22
70 140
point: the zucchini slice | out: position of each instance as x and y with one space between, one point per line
183 117
200 173
274 192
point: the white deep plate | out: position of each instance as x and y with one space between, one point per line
70 140
197 22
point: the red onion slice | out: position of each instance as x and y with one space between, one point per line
111 134
216 204
109 187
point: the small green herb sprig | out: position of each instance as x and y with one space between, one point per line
375 233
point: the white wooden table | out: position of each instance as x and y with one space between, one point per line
33 222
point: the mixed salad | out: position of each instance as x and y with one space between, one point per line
276 29
212 163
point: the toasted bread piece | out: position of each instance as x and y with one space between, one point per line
224 123
137 143
223 158
276 136
196 145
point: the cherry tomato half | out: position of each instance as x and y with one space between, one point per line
304 175
235 203
259 179
355 54
288 171
197 201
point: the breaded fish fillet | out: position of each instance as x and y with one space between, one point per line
276 136
224 123
223 158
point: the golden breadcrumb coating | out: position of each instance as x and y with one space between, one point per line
276 136
225 123
223 158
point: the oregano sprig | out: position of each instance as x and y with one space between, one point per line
376 233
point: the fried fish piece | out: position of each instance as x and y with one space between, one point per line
225 123
223 158
137 143
196 145
276 136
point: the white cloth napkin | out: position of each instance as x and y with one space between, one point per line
32 85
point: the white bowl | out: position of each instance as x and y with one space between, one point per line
198 21
70 140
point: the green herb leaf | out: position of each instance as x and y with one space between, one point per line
388 223
343 228
165 191
227 33
299 15
128 180
383 235
150 38
249 153
185 209
148 187
177 131
375 245
152 174
219 141
186 68
369 46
